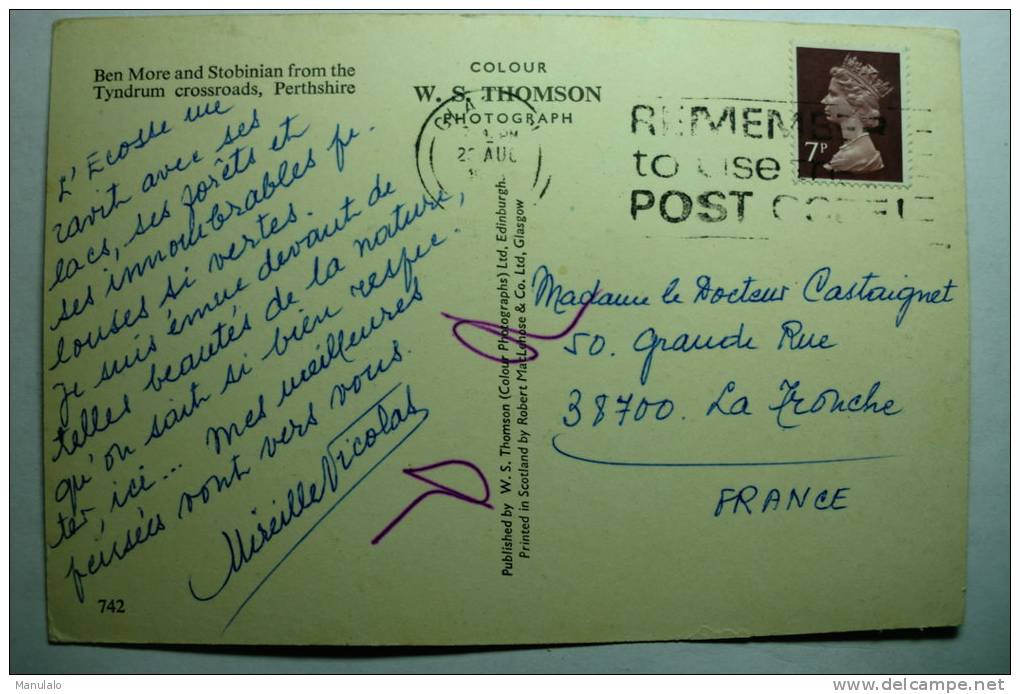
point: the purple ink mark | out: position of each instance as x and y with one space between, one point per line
494 329
415 472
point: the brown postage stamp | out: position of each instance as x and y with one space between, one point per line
850 107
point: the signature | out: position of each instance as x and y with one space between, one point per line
523 335
373 436
437 488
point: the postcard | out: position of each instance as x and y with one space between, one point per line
433 330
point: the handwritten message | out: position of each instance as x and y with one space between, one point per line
280 260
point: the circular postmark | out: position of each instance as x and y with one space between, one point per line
485 135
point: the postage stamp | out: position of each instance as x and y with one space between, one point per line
849 104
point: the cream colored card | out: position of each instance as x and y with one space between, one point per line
479 330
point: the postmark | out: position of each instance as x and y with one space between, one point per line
850 109
483 135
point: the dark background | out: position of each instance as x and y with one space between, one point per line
813 65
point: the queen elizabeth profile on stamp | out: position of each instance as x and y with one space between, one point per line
852 101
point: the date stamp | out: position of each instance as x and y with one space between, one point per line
483 135
849 105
